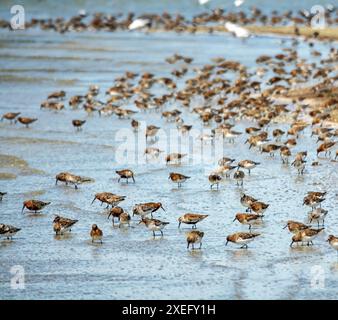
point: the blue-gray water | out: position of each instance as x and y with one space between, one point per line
53 9
130 264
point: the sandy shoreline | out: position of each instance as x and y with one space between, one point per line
330 33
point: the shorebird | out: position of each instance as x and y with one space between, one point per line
317 215
231 135
172 157
270 148
325 147
316 194
109 198
10 116
225 161
135 124
295 226
154 152
225 170
290 143
113 200
125 174
191 218
75 101
299 164
285 153
26 121
34 205
2 194
96 234
78 124
67 177
251 130
247 200
247 218
306 235
52 105
239 176
57 95
258 207
115 212
184 128
144 209
178 178
7 231
194 237
312 200
277 134
151 131
248 164
333 241
154 225
214 179
242 238
62 224
124 219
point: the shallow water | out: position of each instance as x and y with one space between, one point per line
131 264
52 9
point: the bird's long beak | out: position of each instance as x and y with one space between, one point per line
234 220
226 243
93 200
285 226
162 208
23 208
179 224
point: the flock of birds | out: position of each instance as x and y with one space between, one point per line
249 95
211 20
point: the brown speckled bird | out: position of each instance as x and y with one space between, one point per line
96 233
34 205
194 237
125 174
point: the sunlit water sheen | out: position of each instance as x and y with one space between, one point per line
130 264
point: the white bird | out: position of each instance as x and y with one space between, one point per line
238 31
139 24
238 3
202 2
